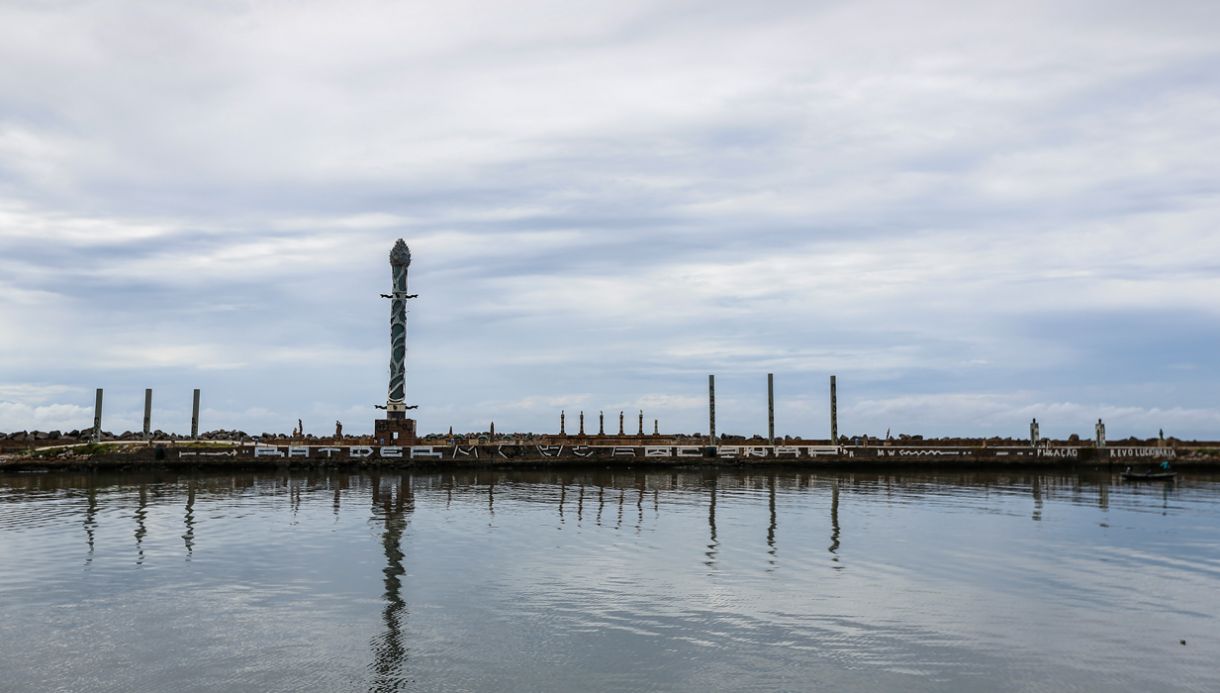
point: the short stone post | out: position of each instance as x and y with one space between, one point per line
771 408
195 416
97 417
834 412
147 413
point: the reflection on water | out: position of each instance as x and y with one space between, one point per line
834 521
390 653
713 544
313 581
90 518
188 536
140 515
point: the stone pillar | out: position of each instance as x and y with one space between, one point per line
97 417
1035 433
562 432
656 427
771 408
1100 428
641 422
601 423
396 429
620 424
147 413
711 409
195 416
400 262
582 424
834 411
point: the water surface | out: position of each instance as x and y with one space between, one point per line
608 581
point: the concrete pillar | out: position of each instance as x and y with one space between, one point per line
562 432
711 409
195 416
771 408
656 427
1035 434
834 412
620 424
641 422
582 424
601 423
1101 433
147 413
400 263
97 417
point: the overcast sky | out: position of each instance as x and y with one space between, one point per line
974 213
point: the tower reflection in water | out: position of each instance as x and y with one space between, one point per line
834 521
392 508
713 544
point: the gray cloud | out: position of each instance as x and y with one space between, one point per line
939 202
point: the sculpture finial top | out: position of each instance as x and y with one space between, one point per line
401 254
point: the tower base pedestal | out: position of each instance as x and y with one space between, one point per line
394 431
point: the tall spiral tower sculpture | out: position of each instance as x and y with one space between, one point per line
400 262
396 428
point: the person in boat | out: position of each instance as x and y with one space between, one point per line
1164 465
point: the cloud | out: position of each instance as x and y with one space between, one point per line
15 416
962 198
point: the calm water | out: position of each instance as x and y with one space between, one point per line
600 581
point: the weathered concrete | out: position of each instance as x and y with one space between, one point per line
834 410
802 454
147 412
195 415
771 408
97 417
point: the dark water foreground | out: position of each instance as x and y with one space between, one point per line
629 581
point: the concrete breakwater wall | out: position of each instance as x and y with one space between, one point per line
481 455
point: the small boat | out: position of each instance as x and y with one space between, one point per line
1149 476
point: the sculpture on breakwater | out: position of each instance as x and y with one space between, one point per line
396 428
